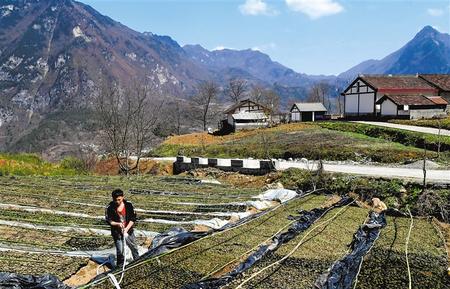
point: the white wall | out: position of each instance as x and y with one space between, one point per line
295 116
366 103
426 113
230 119
351 104
388 108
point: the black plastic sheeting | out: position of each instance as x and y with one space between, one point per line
177 237
343 272
171 239
18 281
303 221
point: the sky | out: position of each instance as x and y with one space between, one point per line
310 36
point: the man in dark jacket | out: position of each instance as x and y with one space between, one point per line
121 217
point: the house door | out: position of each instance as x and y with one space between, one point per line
306 116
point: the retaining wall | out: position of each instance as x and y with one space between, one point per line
243 166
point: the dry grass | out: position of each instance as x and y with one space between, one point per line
110 167
204 138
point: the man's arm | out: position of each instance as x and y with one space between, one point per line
109 220
132 218
130 224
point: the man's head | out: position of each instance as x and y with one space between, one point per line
117 196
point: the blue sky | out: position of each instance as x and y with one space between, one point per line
309 36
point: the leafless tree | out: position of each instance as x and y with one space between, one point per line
207 92
236 89
320 92
177 117
339 104
128 116
256 93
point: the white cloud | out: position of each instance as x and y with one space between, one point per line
315 8
435 12
256 7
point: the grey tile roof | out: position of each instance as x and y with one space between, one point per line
310 106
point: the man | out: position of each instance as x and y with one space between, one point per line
121 217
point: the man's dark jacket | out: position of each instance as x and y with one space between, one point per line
112 215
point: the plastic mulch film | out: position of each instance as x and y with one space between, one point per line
18 281
303 221
343 272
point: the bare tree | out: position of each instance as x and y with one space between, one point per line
236 89
340 104
256 93
207 93
128 117
320 92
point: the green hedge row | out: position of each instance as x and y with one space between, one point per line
404 137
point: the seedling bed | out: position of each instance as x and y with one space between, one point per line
385 266
38 264
200 258
322 244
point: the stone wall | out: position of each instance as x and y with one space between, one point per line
243 166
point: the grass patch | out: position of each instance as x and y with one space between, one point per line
31 164
442 123
290 141
408 138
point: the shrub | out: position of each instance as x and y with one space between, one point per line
73 163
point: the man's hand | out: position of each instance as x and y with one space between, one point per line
118 224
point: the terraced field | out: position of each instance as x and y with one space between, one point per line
385 266
53 224
310 254
55 218
202 258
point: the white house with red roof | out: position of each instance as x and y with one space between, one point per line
370 96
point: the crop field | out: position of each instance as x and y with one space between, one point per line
53 224
291 141
45 218
313 252
385 266
204 257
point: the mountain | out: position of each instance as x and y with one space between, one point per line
427 52
54 54
251 64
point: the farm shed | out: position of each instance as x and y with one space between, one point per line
246 114
361 95
411 106
307 111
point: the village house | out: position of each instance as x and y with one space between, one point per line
246 114
412 106
307 111
423 93
439 81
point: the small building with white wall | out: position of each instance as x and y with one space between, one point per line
311 111
361 95
411 106
246 114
